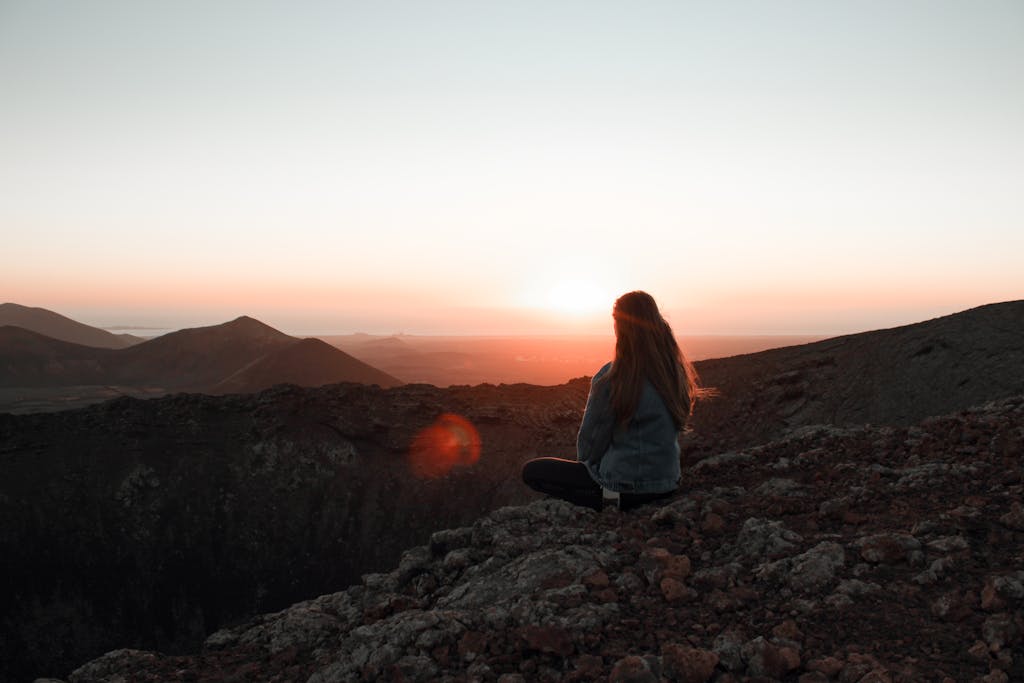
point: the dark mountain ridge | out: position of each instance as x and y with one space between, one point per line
309 362
57 326
241 355
196 358
150 523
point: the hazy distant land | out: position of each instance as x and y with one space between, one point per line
49 362
547 360
441 361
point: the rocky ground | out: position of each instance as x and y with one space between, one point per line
892 377
859 554
152 523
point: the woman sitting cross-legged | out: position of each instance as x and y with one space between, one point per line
628 445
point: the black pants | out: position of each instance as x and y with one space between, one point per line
570 480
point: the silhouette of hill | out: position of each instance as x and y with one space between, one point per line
200 357
28 358
57 326
238 356
892 376
545 359
379 352
147 524
386 345
309 363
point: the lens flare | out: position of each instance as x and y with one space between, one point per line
450 441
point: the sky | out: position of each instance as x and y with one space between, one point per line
489 167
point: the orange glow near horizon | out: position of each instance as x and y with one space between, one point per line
451 441
299 310
352 168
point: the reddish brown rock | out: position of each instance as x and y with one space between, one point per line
812 677
876 676
950 607
788 630
587 668
767 659
651 561
549 639
857 667
676 566
979 651
887 548
830 666
675 591
632 670
472 644
1000 630
1000 590
687 664
712 523
990 598
994 676
1014 519
596 580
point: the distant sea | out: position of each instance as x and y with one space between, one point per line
144 332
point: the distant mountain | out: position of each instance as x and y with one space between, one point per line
419 362
63 328
377 351
238 356
391 343
197 358
308 362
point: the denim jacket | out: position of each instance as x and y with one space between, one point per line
640 457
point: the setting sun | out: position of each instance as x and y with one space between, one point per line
578 297
571 297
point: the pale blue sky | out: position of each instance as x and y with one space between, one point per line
475 166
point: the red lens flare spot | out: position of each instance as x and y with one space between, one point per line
450 441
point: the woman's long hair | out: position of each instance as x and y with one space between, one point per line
645 348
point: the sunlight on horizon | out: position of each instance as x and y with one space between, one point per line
573 298
456 167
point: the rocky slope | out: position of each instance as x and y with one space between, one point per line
861 554
895 376
151 523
